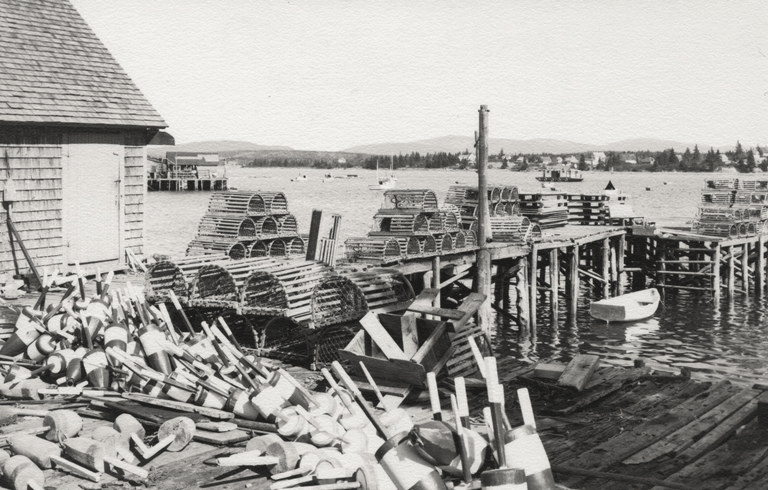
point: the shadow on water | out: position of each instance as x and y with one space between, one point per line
715 341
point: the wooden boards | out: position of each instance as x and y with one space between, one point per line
578 372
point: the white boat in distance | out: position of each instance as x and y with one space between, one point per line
627 307
384 183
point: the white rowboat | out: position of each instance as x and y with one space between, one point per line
626 308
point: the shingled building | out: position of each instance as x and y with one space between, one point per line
73 136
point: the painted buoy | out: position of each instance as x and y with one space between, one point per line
405 467
152 339
96 368
524 448
503 479
62 424
268 401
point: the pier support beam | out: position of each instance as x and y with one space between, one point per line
661 268
436 279
731 271
521 288
760 266
483 254
605 264
716 274
745 268
573 291
533 285
622 248
554 282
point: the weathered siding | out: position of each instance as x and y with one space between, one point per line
36 172
134 193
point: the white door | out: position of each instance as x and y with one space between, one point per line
91 202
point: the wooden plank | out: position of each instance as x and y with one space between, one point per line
221 438
180 406
410 335
629 442
684 437
381 337
548 370
400 370
441 312
579 370
469 307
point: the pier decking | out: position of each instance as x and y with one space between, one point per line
186 184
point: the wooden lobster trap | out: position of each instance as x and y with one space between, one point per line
409 199
265 226
509 193
444 243
217 246
409 246
219 284
287 225
510 229
722 229
459 240
225 226
721 184
405 223
462 195
336 299
429 245
247 203
379 249
447 221
383 288
753 184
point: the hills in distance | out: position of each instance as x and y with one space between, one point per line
450 144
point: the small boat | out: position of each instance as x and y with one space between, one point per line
627 307
300 178
561 175
328 177
384 183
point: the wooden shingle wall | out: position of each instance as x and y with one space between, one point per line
135 190
36 172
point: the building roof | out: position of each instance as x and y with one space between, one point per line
193 158
54 70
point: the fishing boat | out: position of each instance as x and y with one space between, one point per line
560 175
384 183
300 178
627 307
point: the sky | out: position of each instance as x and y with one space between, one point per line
328 75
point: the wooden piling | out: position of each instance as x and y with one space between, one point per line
314 233
731 271
716 274
605 263
554 282
573 292
661 267
436 279
521 288
533 285
745 268
483 254
760 266
622 248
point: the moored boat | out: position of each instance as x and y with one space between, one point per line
627 307
561 175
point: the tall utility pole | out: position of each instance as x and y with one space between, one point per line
483 261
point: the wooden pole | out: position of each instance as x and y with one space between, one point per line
483 254
716 271
745 268
554 282
622 250
661 267
605 264
760 266
731 271
436 279
533 285
573 293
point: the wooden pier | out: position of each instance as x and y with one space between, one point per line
186 184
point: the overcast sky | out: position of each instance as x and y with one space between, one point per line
330 74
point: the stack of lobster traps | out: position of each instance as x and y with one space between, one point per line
609 207
547 209
410 224
733 208
244 224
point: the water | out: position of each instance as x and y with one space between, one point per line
714 341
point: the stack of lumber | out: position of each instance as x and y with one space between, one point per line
732 208
605 208
245 224
409 224
547 209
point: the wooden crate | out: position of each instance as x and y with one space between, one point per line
410 199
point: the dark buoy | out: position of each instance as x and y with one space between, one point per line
610 186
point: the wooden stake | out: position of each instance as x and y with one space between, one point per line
367 409
483 260
554 283
534 289
372 382
459 423
434 397
605 262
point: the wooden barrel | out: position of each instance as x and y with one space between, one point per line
336 299
417 199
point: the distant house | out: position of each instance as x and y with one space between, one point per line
559 160
520 160
342 161
630 158
468 158
724 158
572 160
646 160
73 135
546 161
598 157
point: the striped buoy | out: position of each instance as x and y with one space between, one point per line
524 448
96 368
503 479
152 339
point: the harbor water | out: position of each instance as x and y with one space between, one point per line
715 341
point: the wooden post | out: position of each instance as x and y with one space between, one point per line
483 254
760 266
605 263
521 288
621 252
436 279
731 272
573 293
716 277
314 233
533 284
661 267
554 282
745 268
